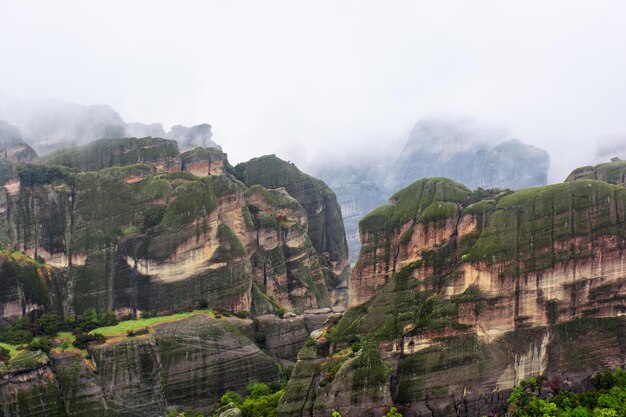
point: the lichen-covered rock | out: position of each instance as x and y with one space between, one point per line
150 237
28 388
613 172
465 293
188 363
325 227
107 153
25 284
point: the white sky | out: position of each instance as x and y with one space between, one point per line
307 78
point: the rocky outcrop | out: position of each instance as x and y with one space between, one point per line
459 149
28 388
188 363
613 172
325 227
106 153
149 229
463 294
283 337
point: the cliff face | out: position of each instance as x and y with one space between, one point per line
458 296
459 149
612 172
164 231
188 363
325 227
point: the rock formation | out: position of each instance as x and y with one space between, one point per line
325 227
613 172
437 147
132 225
459 295
187 363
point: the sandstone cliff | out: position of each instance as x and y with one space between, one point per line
188 363
458 295
132 225
324 214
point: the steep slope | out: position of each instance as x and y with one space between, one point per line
325 227
160 232
459 295
188 363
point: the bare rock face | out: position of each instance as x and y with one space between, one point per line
188 363
132 225
463 294
325 227
27 387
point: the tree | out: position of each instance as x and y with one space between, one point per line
49 324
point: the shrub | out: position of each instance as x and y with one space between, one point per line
242 314
84 339
43 343
49 324
15 336
4 354
153 216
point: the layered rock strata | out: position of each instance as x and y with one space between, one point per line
458 295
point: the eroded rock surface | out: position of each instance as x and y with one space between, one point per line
464 294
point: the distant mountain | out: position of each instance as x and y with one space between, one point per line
459 149
467 153
50 125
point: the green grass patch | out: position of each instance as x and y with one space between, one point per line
11 348
131 325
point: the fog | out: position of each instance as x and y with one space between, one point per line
347 80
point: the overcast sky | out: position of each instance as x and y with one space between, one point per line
302 79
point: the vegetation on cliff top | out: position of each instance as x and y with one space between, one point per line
425 200
106 153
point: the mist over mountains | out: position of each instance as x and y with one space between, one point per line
458 148
49 125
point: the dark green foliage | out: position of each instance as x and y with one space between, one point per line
42 343
368 368
106 153
49 323
153 215
18 332
527 221
608 400
4 354
32 175
424 201
90 320
84 339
